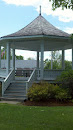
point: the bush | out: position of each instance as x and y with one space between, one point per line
45 91
62 94
38 92
66 81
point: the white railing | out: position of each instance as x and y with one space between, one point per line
38 73
52 74
7 81
23 72
31 80
3 73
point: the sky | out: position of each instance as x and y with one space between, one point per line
16 14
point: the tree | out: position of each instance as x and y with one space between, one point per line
4 53
19 57
57 62
30 58
68 4
68 65
56 59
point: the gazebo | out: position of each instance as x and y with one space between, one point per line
37 36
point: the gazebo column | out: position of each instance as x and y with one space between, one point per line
38 64
63 59
37 59
8 58
13 61
51 60
72 56
42 62
0 57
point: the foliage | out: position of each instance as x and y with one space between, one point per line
58 65
19 57
56 59
56 55
4 53
68 4
38 92
68 65
47 64
45 91
62 94
66 80
30 58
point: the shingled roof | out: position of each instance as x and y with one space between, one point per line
39 26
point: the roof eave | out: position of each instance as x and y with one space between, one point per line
35 36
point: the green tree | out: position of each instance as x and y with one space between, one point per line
19 57
57 62
68 65
30 58
4 53
68 4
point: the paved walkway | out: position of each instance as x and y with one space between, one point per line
10 102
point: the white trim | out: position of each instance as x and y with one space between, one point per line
36 36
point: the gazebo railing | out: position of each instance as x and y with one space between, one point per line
38 73
52 74
7 81
31 80
23 73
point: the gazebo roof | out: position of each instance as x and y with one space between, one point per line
39 26
39 30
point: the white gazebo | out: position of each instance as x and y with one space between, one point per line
37 36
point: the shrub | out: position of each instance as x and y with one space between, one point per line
62 94
38 92
42 91
66 81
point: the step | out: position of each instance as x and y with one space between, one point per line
15 90
13 99
18 81
14 96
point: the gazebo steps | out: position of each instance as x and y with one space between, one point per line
12 99
15 91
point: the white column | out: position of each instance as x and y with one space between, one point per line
0 57
63 59
51 61
8 58
13 59
42 62
72 56
37 60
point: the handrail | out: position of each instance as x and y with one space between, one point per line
31 75
7 81
31 80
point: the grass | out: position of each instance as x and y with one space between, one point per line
18 117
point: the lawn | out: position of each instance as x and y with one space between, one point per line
19 117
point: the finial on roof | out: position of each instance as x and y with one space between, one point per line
40 10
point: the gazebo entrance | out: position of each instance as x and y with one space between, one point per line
38 36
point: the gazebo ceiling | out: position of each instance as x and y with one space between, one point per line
39 30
